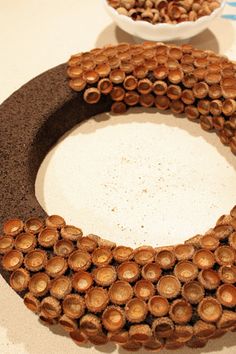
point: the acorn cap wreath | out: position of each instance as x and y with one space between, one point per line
98 292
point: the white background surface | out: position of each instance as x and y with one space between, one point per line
150 178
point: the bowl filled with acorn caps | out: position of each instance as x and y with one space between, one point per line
164 20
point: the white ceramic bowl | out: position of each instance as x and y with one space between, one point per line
162 31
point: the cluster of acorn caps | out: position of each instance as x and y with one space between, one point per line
164 11
199 84
164 297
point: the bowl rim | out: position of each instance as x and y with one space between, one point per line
151 26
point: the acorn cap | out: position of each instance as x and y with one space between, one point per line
222 231
87 244
77 84
227 320
73 306
90 324
185 271
105 275
12 260
136 310
128 271
50 307
233 212
183 333
209 278
25 242
146 100
204 259
162 102
161 72
35 260
226 295
196 342
151 272
130 83
79 260
193 292
71 233
120 292
144 289
165 258
177 107
55 221
163 327
117 76
113 318
144 86
209 242
56 266
144 255
122 254
225 255
227 274
96 299
48 237
31 302
105 243
39 284
47 321
6 244
101 256
103 69
120 337
174 92
63 248
140 333
131 98
194 241
82 281
180 311
158 306
183 252
105 86
118 108
209 309
78 336
13 227
117 93
60 287
168 286
154 345
175 76
99 339
34 225
90 76
203 329
159 87
173 344
19 279
67 323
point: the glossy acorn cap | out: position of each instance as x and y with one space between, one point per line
12 260
39 284
113 318
67 323
79 260
55 221
105 86
165 258
77 84
117 76
82 281
225 255
168 286
50 307
183 252
96 299
56 266
34 225
204 259
87 244
122 254
227 274
183 333
227 320
120 292
222 231
101 256
48 237
63 248
128 271
31 302
163 327
193 292
6 244
185 271
105 275
71 233
90 324
120 337
180 311
73 306
140 333
136 310
60 287
35 260
154 345
19 279
144 289
151 272
232 240
209 309
203 329
13 227
78 337
209 242
226 295
99 339
25 242
209 278
158 306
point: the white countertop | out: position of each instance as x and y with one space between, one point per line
155 179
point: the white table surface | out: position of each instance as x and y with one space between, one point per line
155 179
